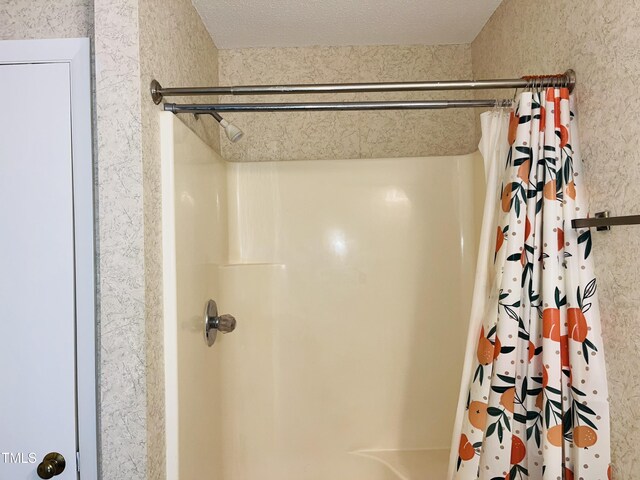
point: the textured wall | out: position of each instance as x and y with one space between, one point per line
121 236
599 39
26 19
176 50
318 135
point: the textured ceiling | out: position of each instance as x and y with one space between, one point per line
299 23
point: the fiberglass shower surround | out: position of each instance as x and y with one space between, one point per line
329 373
277 270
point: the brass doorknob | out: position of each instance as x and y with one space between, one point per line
52 464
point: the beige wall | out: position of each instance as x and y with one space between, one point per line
28 19
323 135
175 49
599 39
121 241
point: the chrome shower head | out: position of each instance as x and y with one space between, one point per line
233 133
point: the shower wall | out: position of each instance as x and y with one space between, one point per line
351 283
318 135
600 41
195 236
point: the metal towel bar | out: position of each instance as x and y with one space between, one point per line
602 221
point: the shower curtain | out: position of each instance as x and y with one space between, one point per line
534 399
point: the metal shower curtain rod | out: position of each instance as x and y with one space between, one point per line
331 106
566 79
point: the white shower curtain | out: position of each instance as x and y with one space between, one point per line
533 401
493 147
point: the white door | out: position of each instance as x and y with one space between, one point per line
37 304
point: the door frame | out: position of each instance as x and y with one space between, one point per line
76 53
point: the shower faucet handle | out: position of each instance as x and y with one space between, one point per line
213 323
226 323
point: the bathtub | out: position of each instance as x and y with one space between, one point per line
350 281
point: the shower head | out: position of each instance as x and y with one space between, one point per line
233 133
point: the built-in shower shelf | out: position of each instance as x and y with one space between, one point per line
257 264
411 464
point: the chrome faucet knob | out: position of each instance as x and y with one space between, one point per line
213 322
226 323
